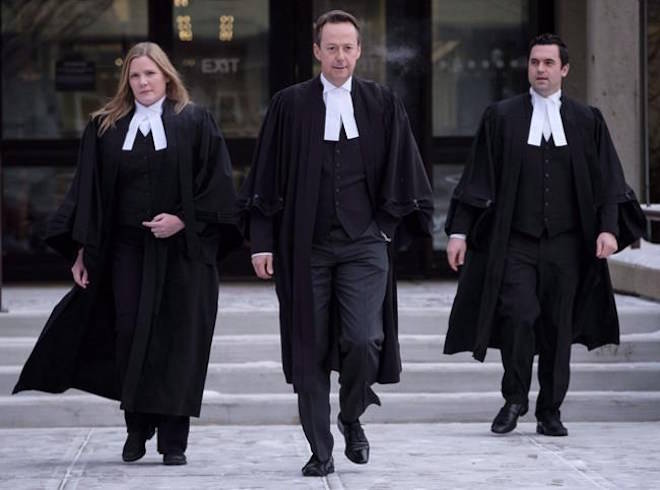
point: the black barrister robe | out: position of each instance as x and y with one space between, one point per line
488 186
284 185
179 297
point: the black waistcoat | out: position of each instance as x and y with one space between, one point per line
343 194
134 182
546 198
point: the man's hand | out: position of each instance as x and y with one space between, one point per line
456 249
606 245
164 225
263 266
79 271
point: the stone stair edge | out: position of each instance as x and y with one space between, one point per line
269 366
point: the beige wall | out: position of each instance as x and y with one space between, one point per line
603 39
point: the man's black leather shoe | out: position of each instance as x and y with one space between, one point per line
357 445
314 467
507 418
134 446
174 459
551 426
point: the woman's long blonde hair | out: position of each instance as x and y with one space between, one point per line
123 101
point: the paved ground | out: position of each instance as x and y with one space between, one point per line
421 456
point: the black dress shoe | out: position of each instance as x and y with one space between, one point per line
357 445
134 446
314 467
507 418
174 459
551 426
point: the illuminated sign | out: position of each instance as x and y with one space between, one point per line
226 28
184 26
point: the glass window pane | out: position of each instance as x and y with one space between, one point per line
59 62
221 50
478 56
371 15
31 194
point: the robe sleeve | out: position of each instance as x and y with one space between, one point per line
476 189
618 209
263 192
213 197
405 192
73 225
213 185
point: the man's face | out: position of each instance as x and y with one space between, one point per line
544 69
338 52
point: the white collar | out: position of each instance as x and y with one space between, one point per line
546 119
152 114
156 108
328 85
555 97
338 110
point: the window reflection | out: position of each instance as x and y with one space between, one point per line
31 194
221 49
59 62
478 56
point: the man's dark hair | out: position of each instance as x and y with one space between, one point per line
334 17
546 39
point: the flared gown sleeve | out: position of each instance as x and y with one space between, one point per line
264 189
405 192
75 223
476 189
614 199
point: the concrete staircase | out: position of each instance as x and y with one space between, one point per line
245 384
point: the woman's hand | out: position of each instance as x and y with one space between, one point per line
79 271
164 225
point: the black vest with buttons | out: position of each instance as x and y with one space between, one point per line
134 181
546 199
343 194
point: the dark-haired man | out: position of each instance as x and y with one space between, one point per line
335 173
541 204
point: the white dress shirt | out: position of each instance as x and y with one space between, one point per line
147 118
338 110
546 119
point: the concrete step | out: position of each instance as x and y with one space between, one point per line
219 408
267 377
635 316
643 347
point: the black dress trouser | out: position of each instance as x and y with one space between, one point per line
354 273
535 310
127 258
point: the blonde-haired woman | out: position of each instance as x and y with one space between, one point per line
150 207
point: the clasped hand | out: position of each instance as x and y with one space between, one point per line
164 225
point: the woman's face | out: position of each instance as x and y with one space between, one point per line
147 81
